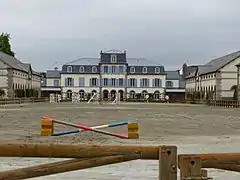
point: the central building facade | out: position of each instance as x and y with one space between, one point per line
113 73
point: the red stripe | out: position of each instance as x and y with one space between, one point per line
120 136
85 127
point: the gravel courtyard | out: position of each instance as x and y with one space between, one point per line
193 128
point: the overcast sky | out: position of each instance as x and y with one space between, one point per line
52 32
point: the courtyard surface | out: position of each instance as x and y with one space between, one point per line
193 128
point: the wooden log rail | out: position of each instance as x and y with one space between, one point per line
94 155
224 103
192 166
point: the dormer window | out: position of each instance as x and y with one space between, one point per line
157 70
113 58
69 69
132 70
94 69
81 69
144 70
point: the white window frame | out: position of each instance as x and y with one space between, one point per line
157 70
169 83
113 58
81 69
94 69
69 69
132 69
144 70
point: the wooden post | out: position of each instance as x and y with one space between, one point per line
190 168
204 173
167 163
64 166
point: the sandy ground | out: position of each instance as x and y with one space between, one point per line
193 128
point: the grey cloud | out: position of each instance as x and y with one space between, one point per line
169 32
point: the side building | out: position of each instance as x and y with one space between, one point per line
51 82
216 79
109 74
175 85
16 77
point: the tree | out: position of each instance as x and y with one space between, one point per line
5 45
2 92
235 94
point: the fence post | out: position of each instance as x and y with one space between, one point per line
190 168
204 173
167 163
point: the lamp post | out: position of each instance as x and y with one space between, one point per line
238 86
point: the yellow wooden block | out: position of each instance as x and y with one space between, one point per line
133 130
133 135
46 127
46 132
133 125
46 122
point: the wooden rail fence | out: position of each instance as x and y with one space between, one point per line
192 166
22 100
224 103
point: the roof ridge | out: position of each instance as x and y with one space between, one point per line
229 54
79 59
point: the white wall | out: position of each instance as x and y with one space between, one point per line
190 84
149 89
175 83
50 81
87 87
76 87
229 78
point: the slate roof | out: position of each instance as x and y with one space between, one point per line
84 61
182 82
53 74
172 75
130 61
141 62
218 63
15 63
215 64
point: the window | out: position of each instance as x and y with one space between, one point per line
93 82
105 69
169 84
120 82
156 95
157 70
55 82
81 69
144 82
132 82
121 69
132 70
94 69
69 69
144 70
132 94
81 82
105 82
113 82
113 58
157 82
69 82
113 69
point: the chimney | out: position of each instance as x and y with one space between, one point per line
56 68
184 69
